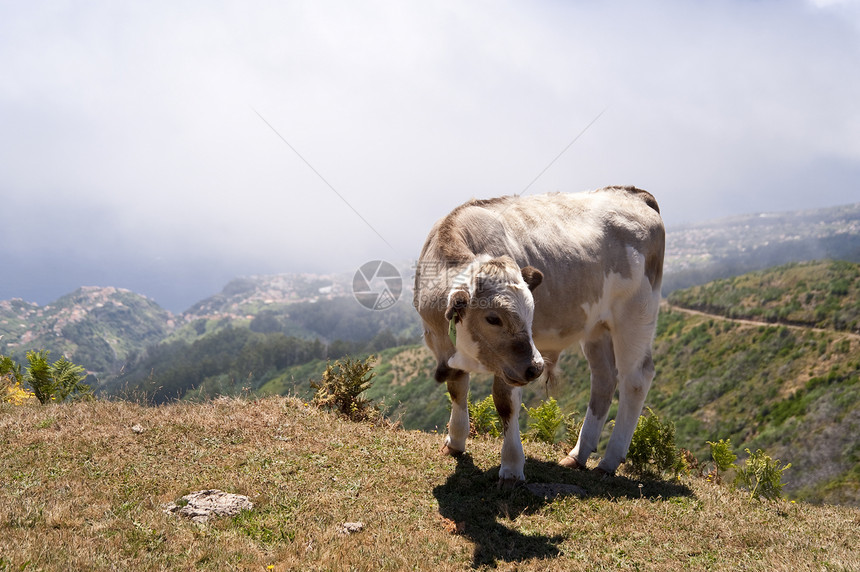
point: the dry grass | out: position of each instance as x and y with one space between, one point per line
82 491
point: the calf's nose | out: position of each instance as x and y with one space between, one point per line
533 371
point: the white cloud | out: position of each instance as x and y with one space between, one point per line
146 113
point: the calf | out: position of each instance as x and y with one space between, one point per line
504 285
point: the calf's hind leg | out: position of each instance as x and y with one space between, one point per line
632 349
634 381
601 361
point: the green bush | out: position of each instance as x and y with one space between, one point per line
483 418
56 381
761 476
341 387
721 453
723 456
545 420
652 450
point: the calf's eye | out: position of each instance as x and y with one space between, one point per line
494 320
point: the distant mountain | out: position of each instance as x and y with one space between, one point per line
699 253
95 327
105 328
247 334
248 295
302 305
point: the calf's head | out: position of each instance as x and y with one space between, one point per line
490 317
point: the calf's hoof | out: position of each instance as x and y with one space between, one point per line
450 451
604 473
509 484
571 463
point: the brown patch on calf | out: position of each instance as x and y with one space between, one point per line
452 389
532 276
453 238
654 259
444 372
502 399
647 197
456 305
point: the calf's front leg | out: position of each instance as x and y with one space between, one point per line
508 400
458 425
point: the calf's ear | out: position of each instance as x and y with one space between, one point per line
532 276
457 302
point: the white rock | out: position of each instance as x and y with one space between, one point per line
200 505
351 527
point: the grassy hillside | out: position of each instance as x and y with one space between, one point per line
793 391
83 491
816 294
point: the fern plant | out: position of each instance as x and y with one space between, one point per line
761 476
483 418
724 458
56 381
545 420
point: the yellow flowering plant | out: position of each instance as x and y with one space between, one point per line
11 390
50 381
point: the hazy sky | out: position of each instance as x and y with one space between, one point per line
133 153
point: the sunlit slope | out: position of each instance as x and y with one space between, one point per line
792 390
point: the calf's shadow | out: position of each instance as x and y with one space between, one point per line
475 508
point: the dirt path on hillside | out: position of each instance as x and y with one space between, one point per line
666 305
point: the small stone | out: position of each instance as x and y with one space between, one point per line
137 428
351 527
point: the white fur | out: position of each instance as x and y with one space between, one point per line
466 356
513 458
458 425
